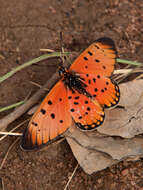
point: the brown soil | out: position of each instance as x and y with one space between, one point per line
27 26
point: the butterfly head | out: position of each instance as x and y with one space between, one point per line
62 71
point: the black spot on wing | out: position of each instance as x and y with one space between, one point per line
52 115
61 121
85 58
43 111
94 80
35 124
96 46
76 97
102 90
87 127
89 81
88 109
95 89
86 102
97 60
90 53
49 102
117 98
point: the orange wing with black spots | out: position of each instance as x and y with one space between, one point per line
98 58
86 112
50 120
94 66
104 90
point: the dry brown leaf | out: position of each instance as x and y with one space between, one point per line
127 122
100 149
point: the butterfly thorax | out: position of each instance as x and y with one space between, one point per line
73 81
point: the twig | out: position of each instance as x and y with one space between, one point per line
9 133
58 141
23 108
54 143
35 84
38 85
1 184
139 77
1 56
47 50
71 177
127 73
6 155
14 129
120 71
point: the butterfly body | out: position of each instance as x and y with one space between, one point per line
74 82
81 95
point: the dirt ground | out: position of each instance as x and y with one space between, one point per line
27 26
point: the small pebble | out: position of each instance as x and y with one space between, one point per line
99 180
125 172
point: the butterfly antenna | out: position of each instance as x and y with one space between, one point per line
62 47
61 41
63 57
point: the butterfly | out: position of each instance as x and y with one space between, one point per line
81 95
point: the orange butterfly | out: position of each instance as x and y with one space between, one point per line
83 92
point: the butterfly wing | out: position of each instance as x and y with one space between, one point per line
87 113
103 89
99 58
50 120
95 65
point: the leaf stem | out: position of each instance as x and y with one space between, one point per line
129 62
11 106
38 59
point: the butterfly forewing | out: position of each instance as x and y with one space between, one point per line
50 120
99 58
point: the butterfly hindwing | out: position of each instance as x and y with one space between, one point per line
87 113
99 58
50 120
